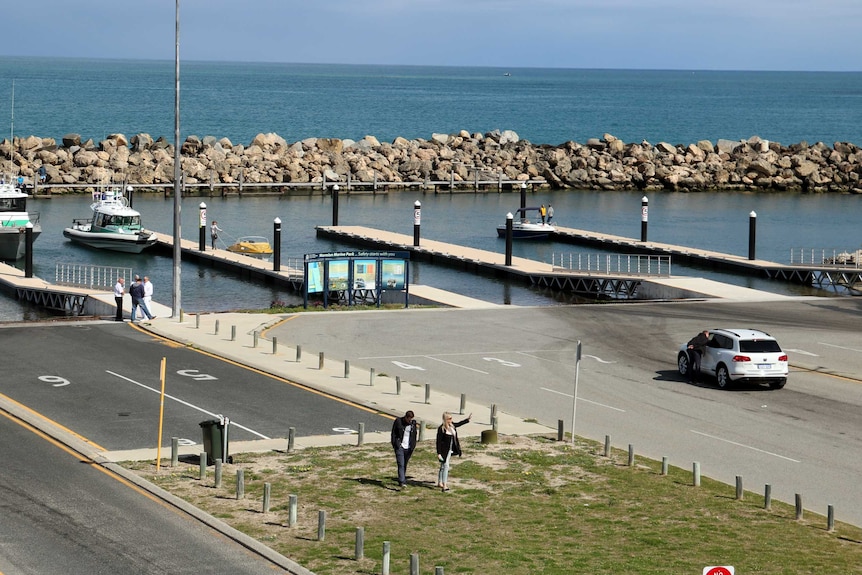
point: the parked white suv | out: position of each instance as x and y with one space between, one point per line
739 355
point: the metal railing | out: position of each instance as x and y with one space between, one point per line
90 276
841 257
631 264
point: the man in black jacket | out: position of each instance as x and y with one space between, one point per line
405 432
696 349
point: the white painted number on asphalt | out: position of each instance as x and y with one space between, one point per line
502 361
344 430
184 441
55 380
403 365
196 375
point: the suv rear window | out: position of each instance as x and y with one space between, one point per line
759 345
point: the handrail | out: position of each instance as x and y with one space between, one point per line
89 276
628 264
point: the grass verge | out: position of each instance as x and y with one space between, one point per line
525 505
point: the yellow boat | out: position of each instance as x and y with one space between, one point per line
256 246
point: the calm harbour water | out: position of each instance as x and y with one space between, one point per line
712 221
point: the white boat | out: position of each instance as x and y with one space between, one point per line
114 225
14 218
524 229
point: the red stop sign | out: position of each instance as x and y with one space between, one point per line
718 571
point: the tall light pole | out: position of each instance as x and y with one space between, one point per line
178 254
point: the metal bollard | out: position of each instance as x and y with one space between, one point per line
254 337
371 377
218 463
197 321
386 553
267 491
298 353
664 465
320 361
361 434
607 445
427 394
397 385
321 525
359 552
291 437
240 483
767 497
438 570
830 518
739 492
463 406
414 564
233 333
695 472
274 345
798 506
216 327
421 430
631 455
203 464
561 434
175 451
346 369
291 510
181 315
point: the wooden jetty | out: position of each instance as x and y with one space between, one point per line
622 282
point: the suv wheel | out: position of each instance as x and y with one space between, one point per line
722 377
778 383
682 364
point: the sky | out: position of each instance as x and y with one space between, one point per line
811 35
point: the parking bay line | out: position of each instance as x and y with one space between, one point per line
186 403
456 365
745 446
569 395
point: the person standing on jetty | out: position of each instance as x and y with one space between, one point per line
214 230
119 292
550 213
405 432
137 293
543 212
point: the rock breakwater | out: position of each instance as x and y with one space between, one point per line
605 163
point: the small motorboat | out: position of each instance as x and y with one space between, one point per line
14 218
524 229
255 246
114 225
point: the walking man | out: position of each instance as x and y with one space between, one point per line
119 292
148 294
550 213
405 432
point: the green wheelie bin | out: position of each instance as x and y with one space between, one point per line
215 439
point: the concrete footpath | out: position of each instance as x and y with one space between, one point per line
199 332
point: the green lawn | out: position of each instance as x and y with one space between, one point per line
527 505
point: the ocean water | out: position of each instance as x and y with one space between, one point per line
95 98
